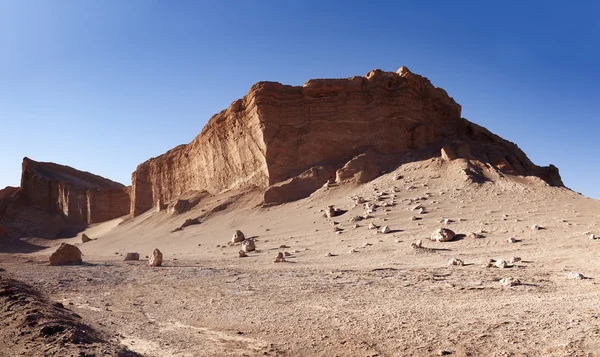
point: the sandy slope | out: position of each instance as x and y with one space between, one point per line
383 299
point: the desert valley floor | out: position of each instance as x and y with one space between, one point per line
353 293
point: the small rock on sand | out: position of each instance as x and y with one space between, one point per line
442 235
510 281
456 262
132 256
156 259
512 240
238 237
248 245
576 276
242 254
501 263
85 238
514 260
385 230
280 258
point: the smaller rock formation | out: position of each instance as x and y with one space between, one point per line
156 259
512 240
238 237
330 212
248 245
132 256
85 238
514 260
66 254
242 254
442 235
385 230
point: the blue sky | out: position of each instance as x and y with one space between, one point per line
104 85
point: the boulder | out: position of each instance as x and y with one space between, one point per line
66 254
248 245
156 259
238 237
132 256
442 235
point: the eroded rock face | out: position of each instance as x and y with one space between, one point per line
289 141
66 254
54 197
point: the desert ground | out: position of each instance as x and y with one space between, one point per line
355 292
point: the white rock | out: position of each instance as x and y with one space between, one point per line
385 229
456 261
501 263
512 240
372 226
576 276
510 281
442 235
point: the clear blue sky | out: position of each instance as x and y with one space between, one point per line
104 85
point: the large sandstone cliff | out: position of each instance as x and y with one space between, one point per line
289 141
53 198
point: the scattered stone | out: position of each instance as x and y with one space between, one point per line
418 244
356 219
66 254
132 256
372 226
385 230
489 264
422 211
512 240
85 238
444 352
535 227
337 229
592 236
238 237
248 245
356 226
476 235
353 251
367 244
330 255
418 207
576 276
287 254
283 246
442 235
456 261
280 258
156 259
329 212
514 260
242 254
510 281
501 263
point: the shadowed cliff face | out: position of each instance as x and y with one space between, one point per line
53 198
288 141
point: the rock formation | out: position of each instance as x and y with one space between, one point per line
53 198
289 141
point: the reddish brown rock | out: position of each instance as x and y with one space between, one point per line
66 254
53 198
288 141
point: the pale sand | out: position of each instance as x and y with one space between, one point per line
384 300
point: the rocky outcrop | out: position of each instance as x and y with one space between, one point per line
54 197
289 141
